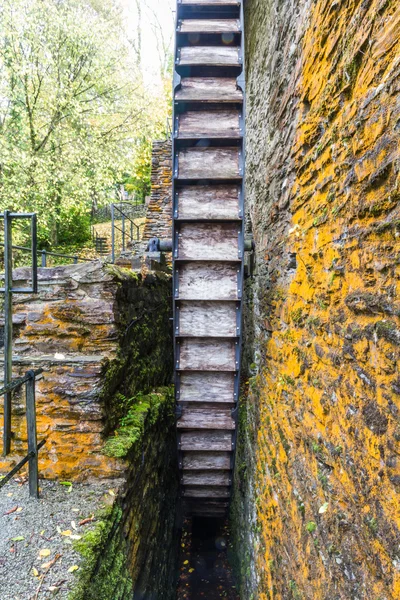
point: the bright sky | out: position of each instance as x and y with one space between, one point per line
158 17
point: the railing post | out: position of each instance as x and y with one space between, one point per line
32 436
7 330
112 235
123 233
131 231
75 260
44 258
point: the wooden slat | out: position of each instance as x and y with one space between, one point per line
208 163
206 492
194 461
209 26
208 281
210 56
208 202
206 419
208 241
207 387
212 319
219 478
207 354
209 89
195 124
210 2
206 441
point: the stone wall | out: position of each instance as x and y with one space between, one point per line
159 212
133 549
102 335
316 509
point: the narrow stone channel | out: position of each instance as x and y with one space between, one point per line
205 572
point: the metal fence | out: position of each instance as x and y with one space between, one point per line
29 379
129 230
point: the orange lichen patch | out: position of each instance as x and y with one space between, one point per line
326 402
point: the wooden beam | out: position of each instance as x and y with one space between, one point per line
208 202
206 441
209 124
199 418
207 355
209 56
207 387
208 281
209 89
209 163
208 241
209 26
194 461
208 319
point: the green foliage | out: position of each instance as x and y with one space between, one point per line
311 526
75 116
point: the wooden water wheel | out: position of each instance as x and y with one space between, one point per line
208 245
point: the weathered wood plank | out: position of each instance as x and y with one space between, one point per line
211 56
212 319
207 354
211 2
206 492
209 124
208 241
207 387
219 441
208 163
221 478
208 281
199 418
209 26
208 202
194 461
209 89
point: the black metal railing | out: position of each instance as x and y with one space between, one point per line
29 379
45 253
129 230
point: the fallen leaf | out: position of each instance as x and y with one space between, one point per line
67 532
49 564
73 525
58 529
66 483
88 520
35 572
53 588
44 553
111 492
76 537
323 508
42 532
73 569
11 511
19 509
186 562
19 538
75 510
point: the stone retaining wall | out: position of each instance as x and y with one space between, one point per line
102 335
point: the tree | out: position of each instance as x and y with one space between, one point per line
72 108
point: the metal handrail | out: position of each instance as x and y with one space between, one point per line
29 379
114 207
45 253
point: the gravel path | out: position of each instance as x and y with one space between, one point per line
37 559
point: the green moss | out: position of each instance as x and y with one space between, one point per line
142 410
311 526
104 572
